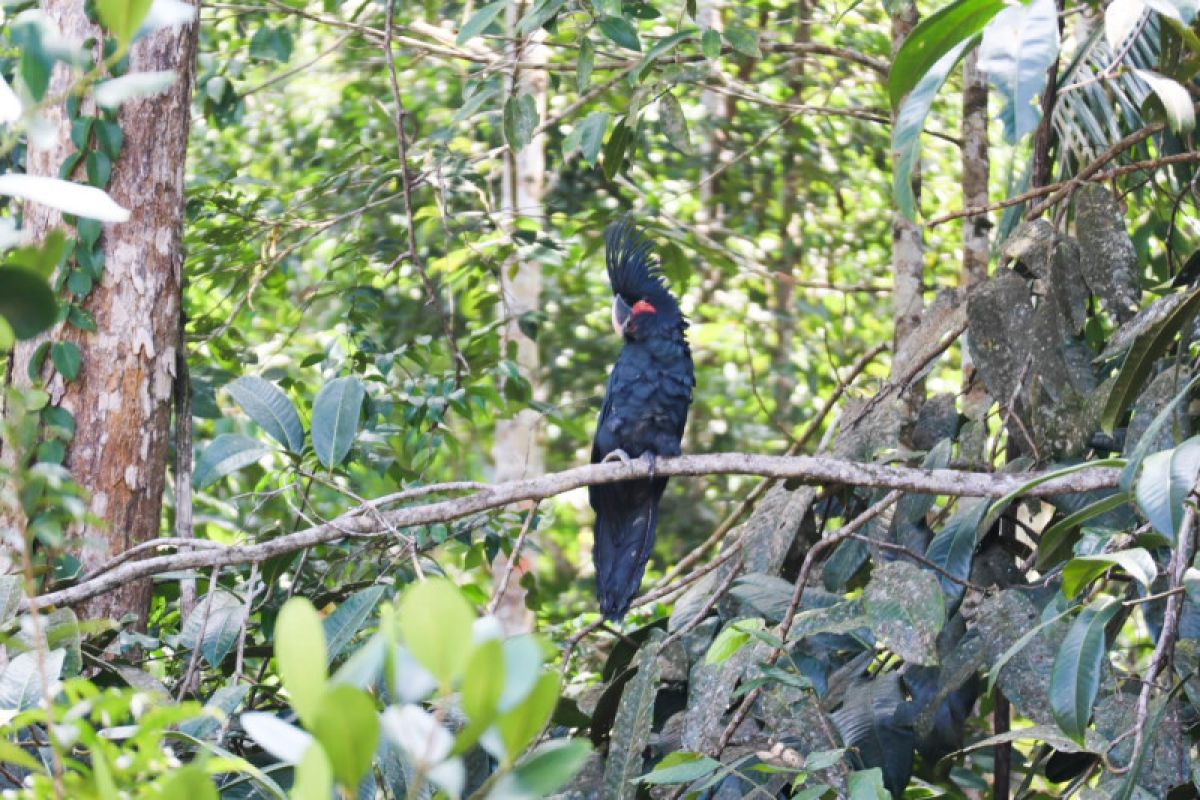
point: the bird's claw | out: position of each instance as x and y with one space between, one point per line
616 455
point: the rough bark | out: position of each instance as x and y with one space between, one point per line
975 235
716 112
908 251
121 398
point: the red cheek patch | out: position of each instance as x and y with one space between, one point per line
642 307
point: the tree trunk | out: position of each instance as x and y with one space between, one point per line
517 451
121 399
908 252
975 240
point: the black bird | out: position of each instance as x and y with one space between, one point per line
645 410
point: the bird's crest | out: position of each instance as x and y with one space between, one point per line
633 268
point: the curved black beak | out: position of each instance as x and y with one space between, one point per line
621 312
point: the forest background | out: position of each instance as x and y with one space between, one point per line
307 329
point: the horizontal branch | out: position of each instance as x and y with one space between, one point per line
370 521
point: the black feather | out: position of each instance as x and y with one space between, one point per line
645 410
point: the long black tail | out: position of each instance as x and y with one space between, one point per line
626 516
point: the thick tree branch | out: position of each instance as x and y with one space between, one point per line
368 521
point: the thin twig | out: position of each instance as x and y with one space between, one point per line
513 560
920 559
185 685
251 590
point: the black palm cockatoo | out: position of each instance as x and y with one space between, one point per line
645 409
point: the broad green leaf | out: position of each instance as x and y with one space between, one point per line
905 610
522 665
1191 584
347 727
122 18
1142 356
732 638
867 784
1153 492
217 711
1151 436
660 48
1185 467
680 768
1176 102
743 40
1018 646
1079 572
335 419
26 302
953 548
1078 667
620 31
480 21
1018 46
225 613
631 729
543 773
933 38
314 775
1053 542
227 453
674 123
271 43
482 684
584 65
67 359
12 589
190 781
710 44
21 686
520 120
1121 18
615 147
348 618
539 15
435 621
997 508
519 726
300 657
264 403
589 135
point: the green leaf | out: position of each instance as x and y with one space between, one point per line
904 607
614 149
710 44
1142 356
1053 539
543 12
732 638
1018 46
867 784
335 419
26 301
521 725
620 31
1079 572
660 48
227 453
482 684
1078 667
631 729
954 547
1185 467
12 589
122 18
1151 436
910 121
933 38
584 65
225 614
111 139
314 776
744 40
299 657
680 768
67 359
271 409
1174 98
1018 646
98 167
1191 584
520 120
674 123
1153 492
191 782
480 21
435 621
21 686
545 772
271 43
347 620
347 727
591 135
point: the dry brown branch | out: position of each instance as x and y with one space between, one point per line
363 523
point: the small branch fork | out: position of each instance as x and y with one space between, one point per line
367 520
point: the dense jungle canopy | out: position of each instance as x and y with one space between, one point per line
307 328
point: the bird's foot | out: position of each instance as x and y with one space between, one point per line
616 455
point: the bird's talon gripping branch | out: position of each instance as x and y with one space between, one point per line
616 455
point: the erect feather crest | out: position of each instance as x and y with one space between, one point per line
633 269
